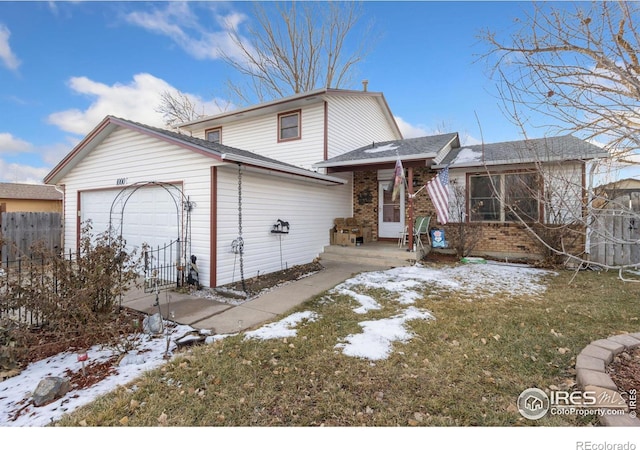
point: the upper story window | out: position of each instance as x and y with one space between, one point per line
214 135
504 197
289 126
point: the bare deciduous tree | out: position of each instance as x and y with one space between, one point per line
577 65
290 48
301 47
176 107
576 68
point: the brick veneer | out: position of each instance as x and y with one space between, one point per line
505 239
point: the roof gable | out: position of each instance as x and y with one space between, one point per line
425 147
286 104
214 150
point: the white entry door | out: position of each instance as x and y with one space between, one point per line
390 212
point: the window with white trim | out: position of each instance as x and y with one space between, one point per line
504 197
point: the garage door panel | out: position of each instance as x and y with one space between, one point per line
149 215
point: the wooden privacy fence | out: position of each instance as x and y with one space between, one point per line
21 230
615 236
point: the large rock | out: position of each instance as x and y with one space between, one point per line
152 324
132 358
50 389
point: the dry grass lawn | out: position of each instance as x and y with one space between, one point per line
465 368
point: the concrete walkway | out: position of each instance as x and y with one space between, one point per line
221 318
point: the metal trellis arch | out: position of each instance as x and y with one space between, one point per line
164 266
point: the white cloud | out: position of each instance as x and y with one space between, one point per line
7 56
11 144
411 131
21 173
178 22
137 101
467 139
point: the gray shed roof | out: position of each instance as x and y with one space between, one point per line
29 191
389 151
550 149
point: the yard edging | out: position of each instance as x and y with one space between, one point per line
591 374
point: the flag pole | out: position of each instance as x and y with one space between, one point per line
411 195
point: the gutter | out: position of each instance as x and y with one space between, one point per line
369 161
282 169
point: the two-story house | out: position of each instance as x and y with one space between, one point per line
221 187
224 181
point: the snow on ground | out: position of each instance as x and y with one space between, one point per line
17 410
283 328
479 280
404 284
377 337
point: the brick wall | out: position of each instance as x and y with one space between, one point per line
508 239
365 200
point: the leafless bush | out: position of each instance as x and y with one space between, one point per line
73 297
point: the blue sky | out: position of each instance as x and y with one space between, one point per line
64 66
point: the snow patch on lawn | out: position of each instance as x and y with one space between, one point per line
409 283
283 328
367 302
377 337
481 280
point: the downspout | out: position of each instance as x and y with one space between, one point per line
589 212
61 189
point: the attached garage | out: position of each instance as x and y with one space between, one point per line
144 214
175 185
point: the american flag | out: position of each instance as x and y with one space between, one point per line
438 189
398 179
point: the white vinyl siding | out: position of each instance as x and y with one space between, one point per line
260 135
309 208
140 158
355 121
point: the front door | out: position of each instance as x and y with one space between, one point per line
390 212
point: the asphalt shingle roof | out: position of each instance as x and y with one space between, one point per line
426 146
560 148
29 191
215 148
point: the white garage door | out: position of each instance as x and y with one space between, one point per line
149 215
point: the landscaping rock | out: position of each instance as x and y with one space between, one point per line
598 352
587 377
132 358
50 389
609 344
152 324
628 341
589 363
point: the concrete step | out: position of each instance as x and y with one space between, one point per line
374 255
